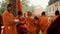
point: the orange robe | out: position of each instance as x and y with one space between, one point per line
19 6
9 24
30 25
54 26
53 18
44 24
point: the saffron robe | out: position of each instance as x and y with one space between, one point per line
44 24
30 25
54 28
9 23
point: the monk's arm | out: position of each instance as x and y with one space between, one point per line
7 19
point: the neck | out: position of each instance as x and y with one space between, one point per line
57 15
43 15
29 16
19 15
9 11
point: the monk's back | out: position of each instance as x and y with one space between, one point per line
54 18
43 19
44 24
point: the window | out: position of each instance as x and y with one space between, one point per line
49 9
56 5
59 3
53 8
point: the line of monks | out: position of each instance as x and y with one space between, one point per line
25 25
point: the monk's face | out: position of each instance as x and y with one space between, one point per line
29 14
9 9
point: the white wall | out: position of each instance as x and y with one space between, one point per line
53 7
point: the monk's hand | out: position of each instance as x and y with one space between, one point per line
16 21
28 30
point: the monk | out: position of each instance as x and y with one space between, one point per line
54 28
9 21
44 23
30 23
54 17
21 19
37 24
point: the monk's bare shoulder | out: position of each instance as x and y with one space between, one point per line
5 13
